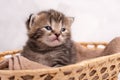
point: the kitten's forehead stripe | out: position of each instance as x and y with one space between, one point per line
56 27
54 15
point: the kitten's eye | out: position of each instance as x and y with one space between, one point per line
63 29
48 28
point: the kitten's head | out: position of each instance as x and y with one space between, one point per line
49 27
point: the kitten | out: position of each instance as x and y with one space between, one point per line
49 40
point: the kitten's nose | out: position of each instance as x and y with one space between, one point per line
57 34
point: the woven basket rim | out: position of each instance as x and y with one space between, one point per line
72 66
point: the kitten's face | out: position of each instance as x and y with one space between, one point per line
54 34
52 31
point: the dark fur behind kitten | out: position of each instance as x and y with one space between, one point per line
49 40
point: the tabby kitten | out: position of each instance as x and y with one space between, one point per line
49 41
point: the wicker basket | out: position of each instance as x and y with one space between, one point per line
102 68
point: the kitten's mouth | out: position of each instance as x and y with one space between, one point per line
55 39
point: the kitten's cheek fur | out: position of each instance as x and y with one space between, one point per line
62 39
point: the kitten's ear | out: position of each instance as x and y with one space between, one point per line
71 19
30 21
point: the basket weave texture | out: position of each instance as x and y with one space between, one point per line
102 68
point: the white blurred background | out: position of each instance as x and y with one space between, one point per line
95 20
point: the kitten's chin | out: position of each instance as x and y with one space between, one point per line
54 43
